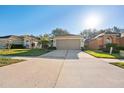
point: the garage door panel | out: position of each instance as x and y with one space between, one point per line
68 44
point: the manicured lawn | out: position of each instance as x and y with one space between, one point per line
103 54
119 64
22 52
8 61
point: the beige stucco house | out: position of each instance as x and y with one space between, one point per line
26 41
68 42
30 41
4 40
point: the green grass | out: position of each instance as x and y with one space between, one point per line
8 61
104 55
22 52
119 64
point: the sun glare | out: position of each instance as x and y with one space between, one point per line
92 21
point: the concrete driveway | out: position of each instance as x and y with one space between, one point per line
62 54
62 68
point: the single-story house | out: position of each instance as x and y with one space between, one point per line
30 41
102 39
68 42
26 41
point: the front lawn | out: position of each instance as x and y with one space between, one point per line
104 55
22 52
8 61
119 64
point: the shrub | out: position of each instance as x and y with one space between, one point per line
111 45
86 47
120 47
108 46
52 48
82 48
105 50
19 46
108 50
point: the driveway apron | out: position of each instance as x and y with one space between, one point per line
62 69
89 72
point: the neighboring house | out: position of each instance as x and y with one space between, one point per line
26 41
4 40
68 42
101 40
30 41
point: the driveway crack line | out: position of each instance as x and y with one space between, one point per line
60 69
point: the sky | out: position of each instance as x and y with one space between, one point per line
37 20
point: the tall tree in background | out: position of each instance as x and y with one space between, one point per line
59 32
88 33
116 29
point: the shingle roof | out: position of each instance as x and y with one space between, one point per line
99 35
6 36
67 35
102 34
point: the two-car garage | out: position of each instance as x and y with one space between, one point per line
67 42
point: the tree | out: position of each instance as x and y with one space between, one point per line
44 40
9 44
88 33
59 32
117 30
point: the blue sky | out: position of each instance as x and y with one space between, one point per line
19 20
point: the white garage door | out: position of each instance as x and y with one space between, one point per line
68 44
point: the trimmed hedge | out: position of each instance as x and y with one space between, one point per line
108 50
82 49
19 46
52 48
108 46
120 47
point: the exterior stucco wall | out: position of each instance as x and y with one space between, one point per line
19 40
54 42
81 42
28 41
12 40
